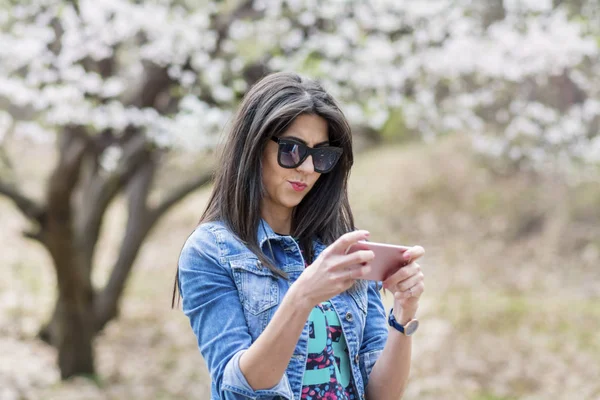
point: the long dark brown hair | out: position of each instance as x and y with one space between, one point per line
268 108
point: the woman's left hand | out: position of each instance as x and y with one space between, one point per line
407 284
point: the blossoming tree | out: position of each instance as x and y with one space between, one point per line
117 84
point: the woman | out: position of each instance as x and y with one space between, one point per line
277 306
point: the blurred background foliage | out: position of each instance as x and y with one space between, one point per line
477 134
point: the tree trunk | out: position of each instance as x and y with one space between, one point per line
72 330
69 230
75 333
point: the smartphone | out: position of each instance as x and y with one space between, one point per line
388 258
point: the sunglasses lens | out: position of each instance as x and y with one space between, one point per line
324 160
291 154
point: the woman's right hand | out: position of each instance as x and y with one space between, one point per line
334 271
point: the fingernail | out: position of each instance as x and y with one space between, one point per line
407 255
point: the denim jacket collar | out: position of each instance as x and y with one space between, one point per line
265 232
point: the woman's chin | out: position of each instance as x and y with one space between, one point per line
291 202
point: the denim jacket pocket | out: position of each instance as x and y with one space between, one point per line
359 293
256 284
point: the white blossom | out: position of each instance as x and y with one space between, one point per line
33 131
447 73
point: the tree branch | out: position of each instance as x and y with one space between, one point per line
136 230
157 81
179 193
27 206
139 223
72 147
34 235
102 190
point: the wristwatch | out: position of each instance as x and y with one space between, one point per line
407 330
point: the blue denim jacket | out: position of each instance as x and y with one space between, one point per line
230 297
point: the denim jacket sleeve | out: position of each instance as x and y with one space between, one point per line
375 333
212 303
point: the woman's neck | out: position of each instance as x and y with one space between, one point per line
279 220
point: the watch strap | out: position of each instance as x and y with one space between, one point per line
407 330
394 323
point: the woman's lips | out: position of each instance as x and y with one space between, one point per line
297 186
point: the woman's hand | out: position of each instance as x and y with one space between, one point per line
407 285
334 271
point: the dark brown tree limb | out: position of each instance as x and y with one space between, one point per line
36 235
136 230
102 189
61 184
157 81
179 193
73 143
140 222
28 207
61 241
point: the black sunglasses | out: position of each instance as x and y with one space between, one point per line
293 152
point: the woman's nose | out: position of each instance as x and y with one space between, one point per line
307 166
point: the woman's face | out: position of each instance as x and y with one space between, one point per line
287 187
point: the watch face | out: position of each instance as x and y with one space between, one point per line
411 327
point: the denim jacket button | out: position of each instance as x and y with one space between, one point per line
259 265
356 359
349 316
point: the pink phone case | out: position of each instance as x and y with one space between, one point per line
388 259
